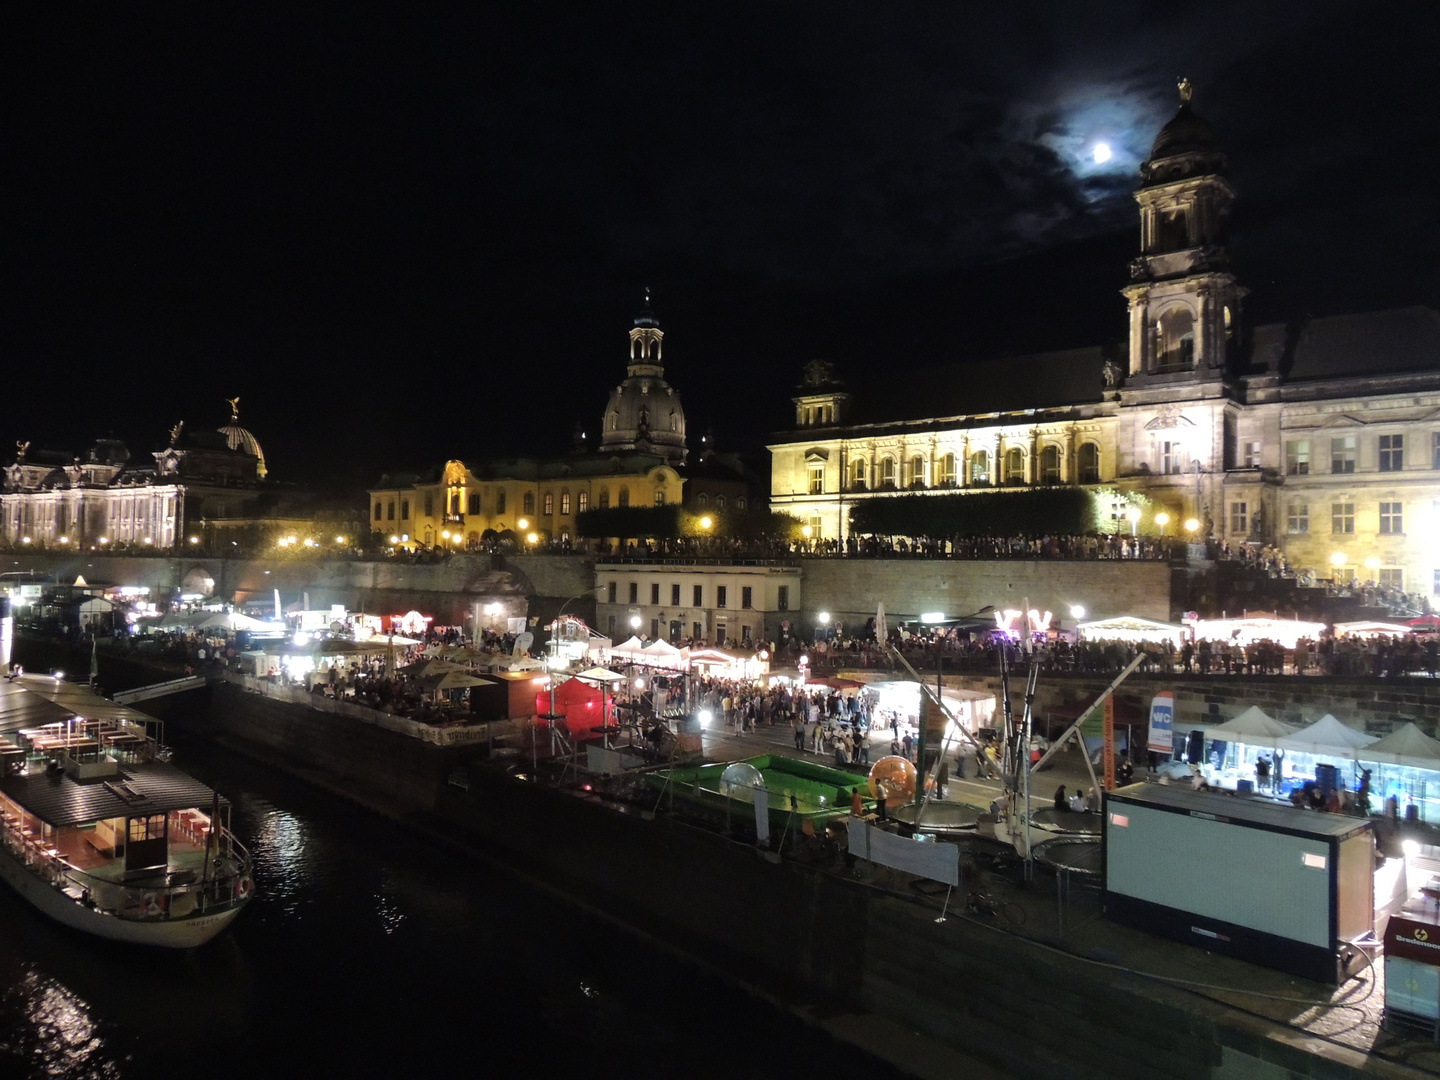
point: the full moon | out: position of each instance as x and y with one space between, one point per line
1102 153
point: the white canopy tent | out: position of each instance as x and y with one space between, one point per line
1132 628
1372 628
630 649
662 654
1259 627
600 675
1327 737
229 620
1252 727
1406 745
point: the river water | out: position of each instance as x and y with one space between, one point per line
370 951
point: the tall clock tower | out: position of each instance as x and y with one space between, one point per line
1184 302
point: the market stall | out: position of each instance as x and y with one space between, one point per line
1232 749
1255 628
1133 630
1405 766
1369 628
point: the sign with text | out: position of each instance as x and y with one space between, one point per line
1162 723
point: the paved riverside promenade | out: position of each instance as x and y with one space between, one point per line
1339 1024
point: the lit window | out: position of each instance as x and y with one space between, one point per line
1342 518
1392 522
917 471
1088 464
1250 454
720 595
858 474
817 480
564 502
1342 454
549 504
582 501
659 498
947 470
1297 518
1014 466
1239 518
980 467
887 472
1171 462
1392 453
1391 576
1050 465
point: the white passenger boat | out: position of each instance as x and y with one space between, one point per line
100 834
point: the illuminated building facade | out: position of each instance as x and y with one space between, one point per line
104 498
638 463
1320 437
742 603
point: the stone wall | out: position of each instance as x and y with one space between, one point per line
850 589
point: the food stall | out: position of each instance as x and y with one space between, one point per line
1371 628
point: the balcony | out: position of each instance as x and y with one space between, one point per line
453 519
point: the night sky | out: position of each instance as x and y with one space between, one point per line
402 237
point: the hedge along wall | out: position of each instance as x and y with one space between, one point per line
1027 512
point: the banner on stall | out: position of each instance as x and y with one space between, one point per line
923 858
1162 723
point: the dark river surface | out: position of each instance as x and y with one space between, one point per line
370 951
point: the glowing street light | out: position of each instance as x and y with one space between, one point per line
532 538
706 521
1133 516
1191 524
807 532
1077 611
194 539
635 622
1161 520
523 523
824 618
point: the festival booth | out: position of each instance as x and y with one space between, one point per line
721 663
1369 628
1325 752
572 641
972 709
661 654
1258 627
582 705
1407 764
630 651
1133 630
1229 760
1131 724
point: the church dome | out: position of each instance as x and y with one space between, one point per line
239 438
1186 133
644 411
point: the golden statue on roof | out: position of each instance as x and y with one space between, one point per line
1186 88
234 403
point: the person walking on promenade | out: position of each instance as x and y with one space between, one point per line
799 734
908 745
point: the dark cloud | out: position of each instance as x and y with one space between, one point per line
411 236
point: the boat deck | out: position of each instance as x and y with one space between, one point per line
75 847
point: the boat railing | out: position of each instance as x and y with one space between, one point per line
226 884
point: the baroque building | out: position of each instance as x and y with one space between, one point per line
640 462
1319 436
105 497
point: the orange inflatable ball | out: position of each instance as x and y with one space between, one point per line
893 779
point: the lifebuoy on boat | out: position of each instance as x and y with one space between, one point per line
243 887
150 905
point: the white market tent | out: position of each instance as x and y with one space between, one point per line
229 620
662 654
1407 745
1259 627
600 675
630 649
1372 627
1132 628
1327 737
1252 728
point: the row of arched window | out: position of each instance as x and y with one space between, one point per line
888 474
703 500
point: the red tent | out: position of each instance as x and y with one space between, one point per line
583 706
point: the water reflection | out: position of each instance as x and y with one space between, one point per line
369 951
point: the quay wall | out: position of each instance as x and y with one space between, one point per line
851 589
451 589
837 950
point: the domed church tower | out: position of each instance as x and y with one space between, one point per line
644 411
239 438
1184 303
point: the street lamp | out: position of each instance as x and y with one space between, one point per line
1372 563
1133 516
1191 524
1077 611
1161 520
1338 560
